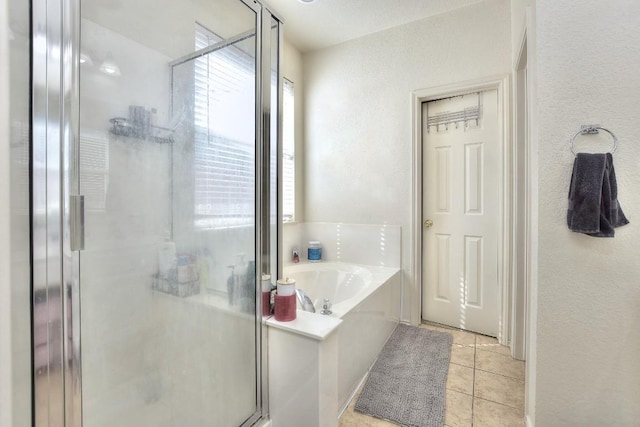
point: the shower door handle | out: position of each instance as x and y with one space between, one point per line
76 222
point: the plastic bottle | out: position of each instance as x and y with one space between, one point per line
240 281
153 118
285 300
266 295
184 270
167 260
231 283
248 303
314 251
203 269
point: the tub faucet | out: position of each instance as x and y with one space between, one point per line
305 301
326 307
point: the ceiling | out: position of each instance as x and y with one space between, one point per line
323 23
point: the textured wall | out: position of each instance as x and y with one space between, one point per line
358 116
588 293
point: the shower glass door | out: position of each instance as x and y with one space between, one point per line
169 153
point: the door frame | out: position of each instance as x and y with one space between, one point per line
521 147
528 38
418 97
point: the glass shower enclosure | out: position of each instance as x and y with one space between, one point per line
155 193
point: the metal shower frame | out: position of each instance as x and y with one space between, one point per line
58 231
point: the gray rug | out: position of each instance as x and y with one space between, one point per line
406 385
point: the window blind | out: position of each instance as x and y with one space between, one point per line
94 169
288 152
224 133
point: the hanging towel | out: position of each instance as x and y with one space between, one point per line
593 196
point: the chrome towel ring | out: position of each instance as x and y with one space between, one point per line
590 130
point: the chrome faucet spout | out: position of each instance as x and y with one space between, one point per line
305 301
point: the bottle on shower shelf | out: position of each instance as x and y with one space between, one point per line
248 293
167 258
203 270
184 269
240 282
206 269
230 284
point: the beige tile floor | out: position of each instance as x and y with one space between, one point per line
485 386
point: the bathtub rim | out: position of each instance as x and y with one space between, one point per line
379 276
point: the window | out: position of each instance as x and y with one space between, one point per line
288 152
224 133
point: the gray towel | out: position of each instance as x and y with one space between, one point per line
593 196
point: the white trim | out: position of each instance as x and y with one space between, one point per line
518 290
501 83
532 250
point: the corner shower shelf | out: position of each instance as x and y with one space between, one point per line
121 126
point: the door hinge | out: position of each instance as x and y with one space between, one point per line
76 222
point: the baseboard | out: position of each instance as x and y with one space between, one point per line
353 394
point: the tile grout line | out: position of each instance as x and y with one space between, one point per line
500 375
473 385
499 403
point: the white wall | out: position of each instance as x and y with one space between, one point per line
588 342
358 117
377 245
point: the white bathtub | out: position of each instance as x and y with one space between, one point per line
366 299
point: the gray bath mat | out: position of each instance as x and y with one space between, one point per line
407 383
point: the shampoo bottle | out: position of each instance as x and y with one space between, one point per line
231 283
203 270
240 278
166 258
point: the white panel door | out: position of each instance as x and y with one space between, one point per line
461 181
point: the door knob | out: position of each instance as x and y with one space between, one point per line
428 223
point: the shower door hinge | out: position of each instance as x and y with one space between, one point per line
76 222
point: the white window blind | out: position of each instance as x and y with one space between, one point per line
288 152
19 140
224 133
94 169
